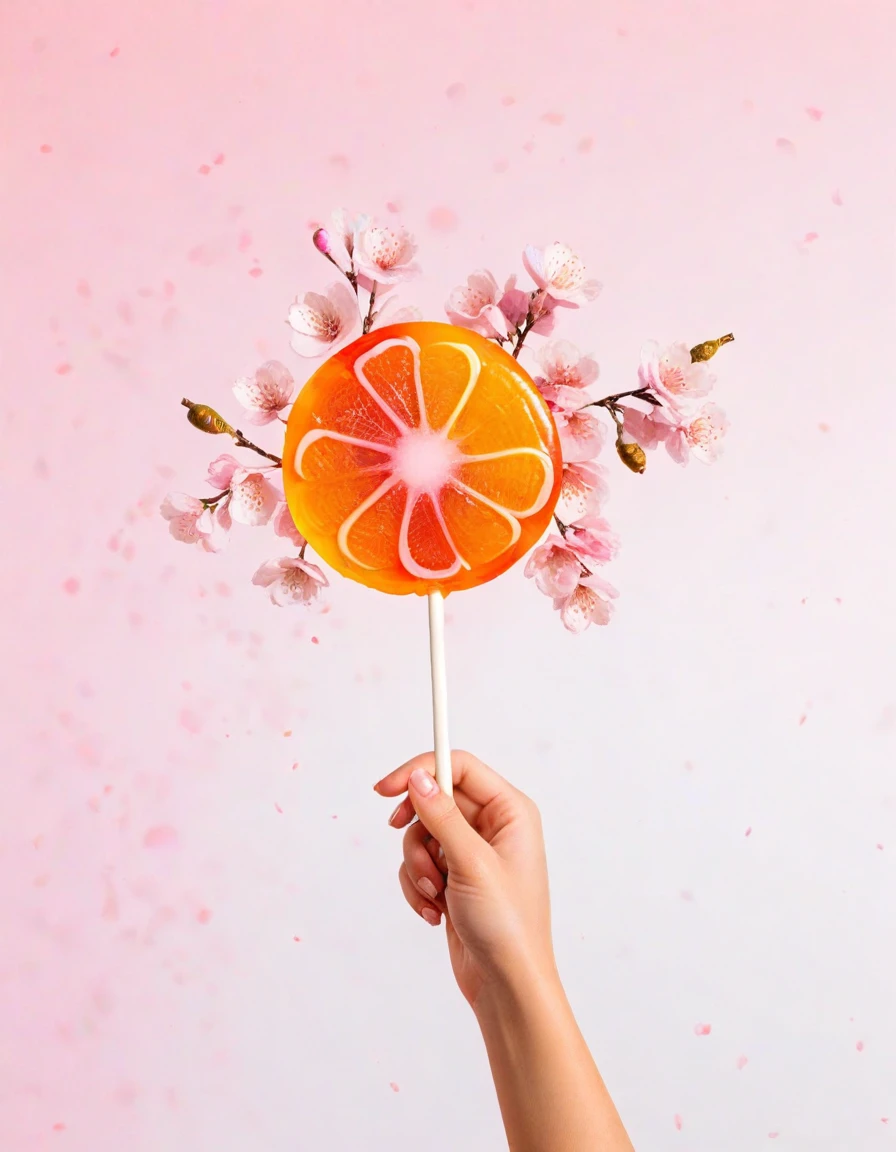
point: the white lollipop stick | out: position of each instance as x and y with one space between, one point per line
439 692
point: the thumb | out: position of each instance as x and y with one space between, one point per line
442 818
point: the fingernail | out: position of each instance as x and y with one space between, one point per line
423 782
395 813
427 887
431 916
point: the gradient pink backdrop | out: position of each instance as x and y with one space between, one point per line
158 997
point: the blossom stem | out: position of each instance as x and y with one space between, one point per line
241 441
532 318
302 550
609 402
563 528
211 501
368 319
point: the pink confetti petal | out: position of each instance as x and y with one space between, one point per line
204 915
553 118
508 101
860 1045
219 159
72 585
785 146
740 1063
836 198
256 272
443 219
394 1086
702 1029
455 91
749 831
161 836
814 113
203 169
585 144
190 721
46 148
678 1122
63 369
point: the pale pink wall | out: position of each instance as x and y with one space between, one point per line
155 997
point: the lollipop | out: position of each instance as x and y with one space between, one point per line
422 459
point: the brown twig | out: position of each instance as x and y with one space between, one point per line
534 314
368 319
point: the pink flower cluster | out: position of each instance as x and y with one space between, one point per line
372 259
682 422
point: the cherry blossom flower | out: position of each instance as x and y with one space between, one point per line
582 491
556 566
560 273
191 522
649 429
700 436
697 435
253 498
321 322
582 434
670 373
567 373
515 304
593 540
266 393
385 254
474 305
588 603
291 580
284 525
348 226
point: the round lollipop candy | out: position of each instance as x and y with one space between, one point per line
422 458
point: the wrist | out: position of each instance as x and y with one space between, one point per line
526 985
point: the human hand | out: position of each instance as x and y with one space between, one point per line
478 858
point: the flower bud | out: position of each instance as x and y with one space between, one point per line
206 419
632 455
708 348
321 241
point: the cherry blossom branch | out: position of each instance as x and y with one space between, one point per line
610 402
208 420
368 319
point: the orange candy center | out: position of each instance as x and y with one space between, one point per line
421 458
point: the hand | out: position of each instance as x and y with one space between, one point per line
478 858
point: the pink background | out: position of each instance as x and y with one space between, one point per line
156 997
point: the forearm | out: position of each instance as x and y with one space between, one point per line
551 1094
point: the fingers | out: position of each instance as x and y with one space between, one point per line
440 816
471 777
421 865
423 907
404 812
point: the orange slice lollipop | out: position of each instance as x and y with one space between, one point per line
421 458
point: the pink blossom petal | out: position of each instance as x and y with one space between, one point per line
221 471
253 500
319 322
284 525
